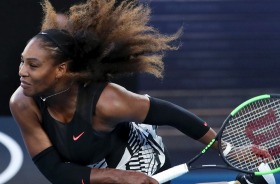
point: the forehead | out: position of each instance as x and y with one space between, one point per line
35 49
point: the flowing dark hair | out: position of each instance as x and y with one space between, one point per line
111 38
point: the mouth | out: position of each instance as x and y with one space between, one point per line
24 84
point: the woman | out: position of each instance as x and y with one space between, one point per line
78 126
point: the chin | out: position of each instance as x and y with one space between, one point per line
28 93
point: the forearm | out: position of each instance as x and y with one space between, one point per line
165 113
57 171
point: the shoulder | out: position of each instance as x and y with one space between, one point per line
19 101
117 102
21 105
111 97
115 95
113 91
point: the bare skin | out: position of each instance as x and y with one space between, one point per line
40 76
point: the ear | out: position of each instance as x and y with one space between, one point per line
61 69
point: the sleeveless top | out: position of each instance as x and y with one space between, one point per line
129 146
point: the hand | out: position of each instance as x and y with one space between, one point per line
106 176
133 177
261 152
250 151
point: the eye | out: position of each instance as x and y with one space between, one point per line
33 65
21 63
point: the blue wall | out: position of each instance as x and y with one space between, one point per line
226 44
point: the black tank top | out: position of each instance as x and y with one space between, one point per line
76 141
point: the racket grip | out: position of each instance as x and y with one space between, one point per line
171 173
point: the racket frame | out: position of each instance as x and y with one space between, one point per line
235 111
181 169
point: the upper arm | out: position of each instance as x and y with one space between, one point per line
116 104
27 115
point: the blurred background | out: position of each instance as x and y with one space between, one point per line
230 52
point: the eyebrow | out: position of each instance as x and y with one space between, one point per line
30 58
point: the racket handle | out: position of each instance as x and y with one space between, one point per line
171 173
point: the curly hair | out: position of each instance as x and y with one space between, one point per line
113 38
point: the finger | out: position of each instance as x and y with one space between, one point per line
261 152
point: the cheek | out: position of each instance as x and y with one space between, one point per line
44 81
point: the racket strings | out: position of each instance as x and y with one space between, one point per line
255 124
244 118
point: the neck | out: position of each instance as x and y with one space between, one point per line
62 106
56 94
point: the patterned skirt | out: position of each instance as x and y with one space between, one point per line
144 151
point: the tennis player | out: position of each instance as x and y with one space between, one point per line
79 127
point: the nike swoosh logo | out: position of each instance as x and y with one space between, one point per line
76 138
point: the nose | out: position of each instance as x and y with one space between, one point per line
22 70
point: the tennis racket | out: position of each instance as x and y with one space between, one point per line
248 139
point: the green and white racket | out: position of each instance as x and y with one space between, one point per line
248 139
